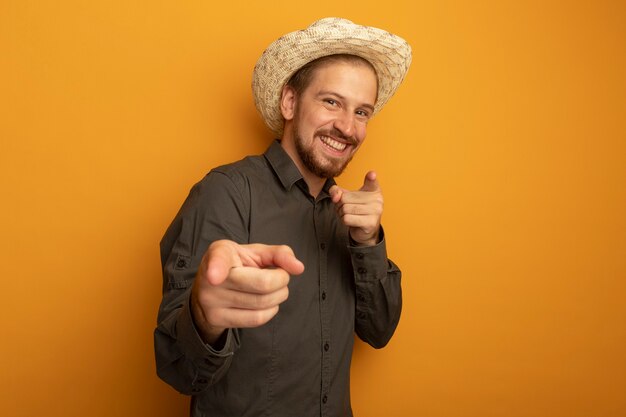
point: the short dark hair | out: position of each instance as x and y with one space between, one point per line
301 79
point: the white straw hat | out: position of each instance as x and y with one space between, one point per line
389 54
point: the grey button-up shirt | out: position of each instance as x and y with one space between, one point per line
298 364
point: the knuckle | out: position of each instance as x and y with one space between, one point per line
280 279
216 244
263 284
259 301
258 318
214 316
284 249
239 300
205 297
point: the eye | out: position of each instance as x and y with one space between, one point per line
363 114
331 101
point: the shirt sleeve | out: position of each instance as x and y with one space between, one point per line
378 293
213 210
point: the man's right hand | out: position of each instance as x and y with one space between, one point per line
240 286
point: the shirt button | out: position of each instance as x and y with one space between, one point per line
323 246
361 315
360 297
326 347
362 270
323 295
359 256
325 399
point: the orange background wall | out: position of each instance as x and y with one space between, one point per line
502 158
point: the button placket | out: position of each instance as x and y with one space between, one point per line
321 227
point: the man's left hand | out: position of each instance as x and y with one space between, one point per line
360 210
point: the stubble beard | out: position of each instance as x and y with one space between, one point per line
316 164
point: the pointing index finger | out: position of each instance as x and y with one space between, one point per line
257 281
280 256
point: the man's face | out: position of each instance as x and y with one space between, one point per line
331 116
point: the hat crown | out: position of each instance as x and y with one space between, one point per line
329 20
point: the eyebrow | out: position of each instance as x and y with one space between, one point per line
368 106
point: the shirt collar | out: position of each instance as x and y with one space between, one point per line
284 167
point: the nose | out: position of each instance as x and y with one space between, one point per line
345 123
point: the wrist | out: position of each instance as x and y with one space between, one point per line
371 241
209 334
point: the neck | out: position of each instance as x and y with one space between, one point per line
314 182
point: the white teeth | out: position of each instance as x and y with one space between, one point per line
333 143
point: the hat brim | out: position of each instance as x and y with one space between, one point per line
389 54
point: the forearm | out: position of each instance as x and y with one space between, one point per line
183 359
378 294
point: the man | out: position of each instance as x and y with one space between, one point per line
270 267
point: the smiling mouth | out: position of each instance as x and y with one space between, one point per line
333 144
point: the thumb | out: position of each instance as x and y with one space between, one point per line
370 183
220 259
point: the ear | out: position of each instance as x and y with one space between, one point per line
288 102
